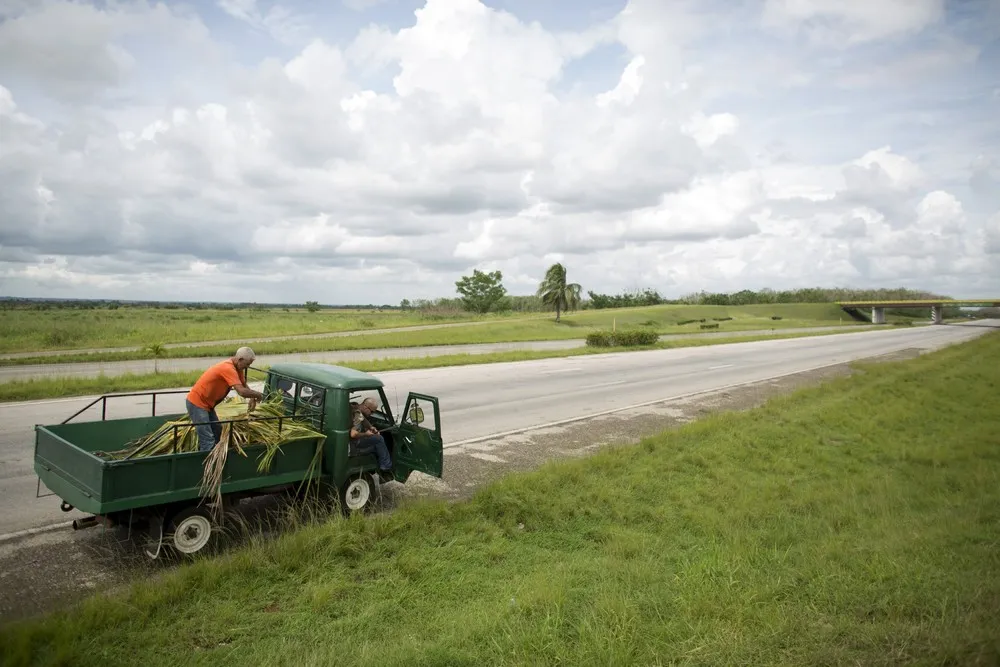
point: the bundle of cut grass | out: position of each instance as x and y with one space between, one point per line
241 427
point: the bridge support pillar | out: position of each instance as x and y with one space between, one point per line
878 315
936 316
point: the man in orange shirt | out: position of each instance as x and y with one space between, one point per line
211 388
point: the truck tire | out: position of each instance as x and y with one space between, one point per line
190 531
357 493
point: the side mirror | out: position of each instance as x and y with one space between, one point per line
416 414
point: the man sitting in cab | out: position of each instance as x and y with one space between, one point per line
364 436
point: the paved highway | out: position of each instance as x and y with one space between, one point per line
112 368
484 400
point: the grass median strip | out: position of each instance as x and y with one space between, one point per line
853 522
60 387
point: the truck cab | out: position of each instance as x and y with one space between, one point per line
325 393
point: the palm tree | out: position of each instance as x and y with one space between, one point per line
555 291
156 350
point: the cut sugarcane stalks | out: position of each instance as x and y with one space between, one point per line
259 427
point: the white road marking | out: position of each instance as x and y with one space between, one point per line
561 370
715 368
605 384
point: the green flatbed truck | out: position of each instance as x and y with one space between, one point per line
161 495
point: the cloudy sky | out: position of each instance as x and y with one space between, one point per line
373 150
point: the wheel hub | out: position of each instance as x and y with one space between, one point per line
357 494
192 534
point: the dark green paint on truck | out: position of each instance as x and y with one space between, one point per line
151 490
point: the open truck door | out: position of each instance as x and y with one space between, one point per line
419 444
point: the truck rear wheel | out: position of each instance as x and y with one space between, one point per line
191 530
185 532
357 493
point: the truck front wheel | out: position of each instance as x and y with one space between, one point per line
356 494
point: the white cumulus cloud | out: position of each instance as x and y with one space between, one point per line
151 151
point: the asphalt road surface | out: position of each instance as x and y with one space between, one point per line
480 401
112 368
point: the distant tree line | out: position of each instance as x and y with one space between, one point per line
646 297
20 303
510 303
484 292
650 297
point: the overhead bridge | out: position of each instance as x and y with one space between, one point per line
936 306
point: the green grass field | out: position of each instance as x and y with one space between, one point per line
28 390
63 329
852 523
663 319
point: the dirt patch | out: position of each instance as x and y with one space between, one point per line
51 570
45 571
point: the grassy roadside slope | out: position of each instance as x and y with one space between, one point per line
56 387
855 522
489 329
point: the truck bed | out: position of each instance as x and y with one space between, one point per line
65 462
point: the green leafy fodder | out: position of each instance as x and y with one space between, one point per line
852 523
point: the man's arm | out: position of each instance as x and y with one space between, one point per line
364 424
247 392
237 384
355 423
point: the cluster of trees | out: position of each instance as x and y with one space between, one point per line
484 292
646 297
510 303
